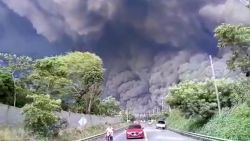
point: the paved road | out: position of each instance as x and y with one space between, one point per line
153 134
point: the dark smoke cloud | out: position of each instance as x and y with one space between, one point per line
146 45
56 18
18 36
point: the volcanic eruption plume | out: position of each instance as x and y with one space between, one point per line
146 45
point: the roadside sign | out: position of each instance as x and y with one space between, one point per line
82 121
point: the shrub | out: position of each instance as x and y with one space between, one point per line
39 115
176 120
198 99
232 124
242 88
17 134
74 134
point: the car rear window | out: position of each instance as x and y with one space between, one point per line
134 126
161 122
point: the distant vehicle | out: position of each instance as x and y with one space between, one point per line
135 131
161 124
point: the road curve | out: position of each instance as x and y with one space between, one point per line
152 134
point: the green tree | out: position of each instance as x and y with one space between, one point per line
6 88
108 106
76 74
237 38
49 76
16 64
86 74
242 88
198 99
39 115
127 116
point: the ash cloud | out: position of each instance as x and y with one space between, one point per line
231 11
146 45
18 36
57 18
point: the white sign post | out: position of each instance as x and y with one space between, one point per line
82 122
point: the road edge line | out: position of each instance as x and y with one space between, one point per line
146 137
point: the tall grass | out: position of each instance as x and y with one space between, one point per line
76 134
15 134
233 124
176 120
19 134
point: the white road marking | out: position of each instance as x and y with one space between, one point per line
146 137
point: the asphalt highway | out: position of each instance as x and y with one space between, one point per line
152 134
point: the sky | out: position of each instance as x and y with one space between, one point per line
146 45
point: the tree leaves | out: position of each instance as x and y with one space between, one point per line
237 38
6 88
39 115
198 99
75 74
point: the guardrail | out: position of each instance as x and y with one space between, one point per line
198 136
91 138
189 134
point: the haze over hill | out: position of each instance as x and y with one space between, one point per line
146 45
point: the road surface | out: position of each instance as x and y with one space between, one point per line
152 134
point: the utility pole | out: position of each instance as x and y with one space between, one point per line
127 115
215 85
162 104
14 82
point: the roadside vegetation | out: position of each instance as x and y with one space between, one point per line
76 134
194 104
15 134
233 124
70 82
19 134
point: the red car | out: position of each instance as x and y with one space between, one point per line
135 131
